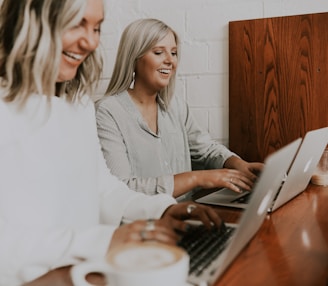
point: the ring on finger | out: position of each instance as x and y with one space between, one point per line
231 180
150 225
191 208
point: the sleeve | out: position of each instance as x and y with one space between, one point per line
28 249
121 204
205 151
151 185
29 252
115 153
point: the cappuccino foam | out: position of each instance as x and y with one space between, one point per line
144 256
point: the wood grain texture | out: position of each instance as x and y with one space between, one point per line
291 247
278 81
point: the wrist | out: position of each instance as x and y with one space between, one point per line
231 162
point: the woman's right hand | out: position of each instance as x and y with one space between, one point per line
169 227
229 178
207 179
142 230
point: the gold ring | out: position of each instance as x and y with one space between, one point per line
191 208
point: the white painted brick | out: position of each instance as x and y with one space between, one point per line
194 58
211 22
219 57
167 11
294 7
180 88
273 9
201 116
217 123
207 91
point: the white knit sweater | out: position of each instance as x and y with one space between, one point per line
58 201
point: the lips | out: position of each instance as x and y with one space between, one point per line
74 56
165 71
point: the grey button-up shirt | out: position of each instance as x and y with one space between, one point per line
147 161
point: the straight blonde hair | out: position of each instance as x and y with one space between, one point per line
137 39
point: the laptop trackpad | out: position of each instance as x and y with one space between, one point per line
225 195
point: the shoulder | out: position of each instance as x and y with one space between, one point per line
108 102
178 106
178 101
116 106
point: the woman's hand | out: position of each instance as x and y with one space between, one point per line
175 215
237 175
250 170
234 180
166 229
142 230
224 178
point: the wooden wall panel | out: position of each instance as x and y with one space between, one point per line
278 81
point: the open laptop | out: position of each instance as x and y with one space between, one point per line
295 181
276 166
303 167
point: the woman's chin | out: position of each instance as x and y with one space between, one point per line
62 77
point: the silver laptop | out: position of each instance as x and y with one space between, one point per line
303 167
276 166
295 181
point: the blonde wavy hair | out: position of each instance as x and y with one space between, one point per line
137 39
31 47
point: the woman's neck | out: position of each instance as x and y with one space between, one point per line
147 106
142 97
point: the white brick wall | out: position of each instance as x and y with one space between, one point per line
203 28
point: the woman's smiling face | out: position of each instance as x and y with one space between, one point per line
155 68
81 40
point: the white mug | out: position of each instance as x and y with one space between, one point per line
134 264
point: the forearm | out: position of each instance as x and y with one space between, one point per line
185 182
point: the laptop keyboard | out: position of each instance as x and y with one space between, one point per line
204 245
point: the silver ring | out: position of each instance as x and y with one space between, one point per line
231 180
191 208
150 225
143 235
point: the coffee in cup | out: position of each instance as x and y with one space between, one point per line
134 264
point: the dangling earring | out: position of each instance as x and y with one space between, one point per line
133 79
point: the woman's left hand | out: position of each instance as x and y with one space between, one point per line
250 169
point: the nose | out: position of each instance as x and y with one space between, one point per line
169 59
90 40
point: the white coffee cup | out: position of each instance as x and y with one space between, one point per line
134 264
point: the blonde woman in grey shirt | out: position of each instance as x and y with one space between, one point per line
148 136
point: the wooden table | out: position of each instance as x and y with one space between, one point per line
291 247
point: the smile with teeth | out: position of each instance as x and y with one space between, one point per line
165 71
73 56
